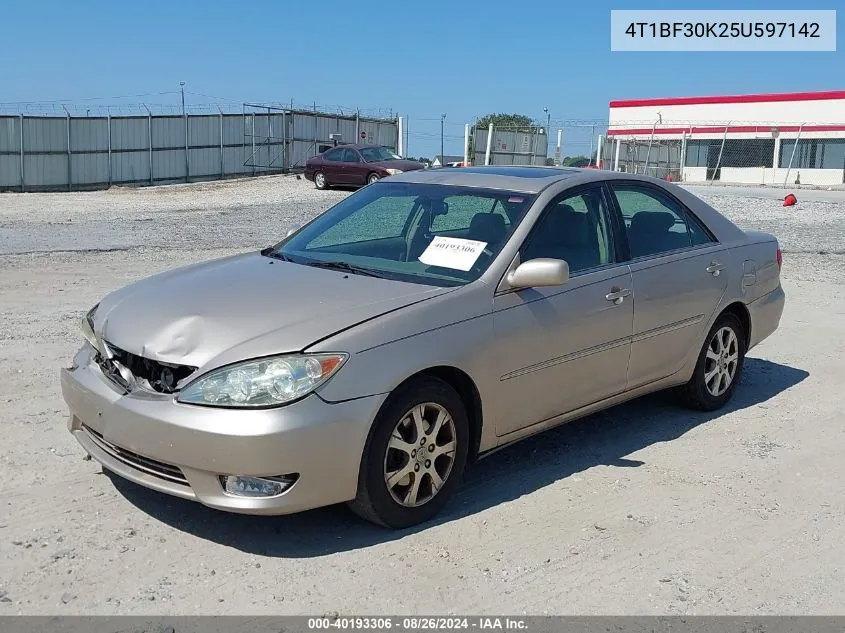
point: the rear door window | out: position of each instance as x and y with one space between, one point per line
655 223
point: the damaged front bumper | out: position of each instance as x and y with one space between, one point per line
184 450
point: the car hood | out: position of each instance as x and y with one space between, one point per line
245 306
404 165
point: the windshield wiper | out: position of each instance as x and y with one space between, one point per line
346 267
271 252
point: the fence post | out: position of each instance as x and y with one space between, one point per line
489 144
592 134
616 154
290 132
222 168
792 157
69 154
648 151
721 149
776 156
150 138
559 146
23 170
682 162
599 147
187 160
466 144
108 123
253 143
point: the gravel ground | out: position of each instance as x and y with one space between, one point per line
644 509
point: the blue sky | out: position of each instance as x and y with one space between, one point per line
464 58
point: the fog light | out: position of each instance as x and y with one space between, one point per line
243 486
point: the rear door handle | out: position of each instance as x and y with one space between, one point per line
715 268
617 295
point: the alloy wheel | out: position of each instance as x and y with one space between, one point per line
420 454
721 361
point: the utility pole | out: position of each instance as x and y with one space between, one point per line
182 87
548 124
442 156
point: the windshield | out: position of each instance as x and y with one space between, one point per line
377 154
423 233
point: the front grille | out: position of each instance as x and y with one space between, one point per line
139 462
151 374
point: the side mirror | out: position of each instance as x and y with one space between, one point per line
539 272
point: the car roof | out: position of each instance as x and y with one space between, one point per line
524 179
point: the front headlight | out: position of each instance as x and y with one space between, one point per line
264 382
87 326
393 171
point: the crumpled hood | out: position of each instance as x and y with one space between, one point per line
243 307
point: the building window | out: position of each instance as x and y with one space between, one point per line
751 152
813 154
697 152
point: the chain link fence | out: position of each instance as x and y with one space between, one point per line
770 154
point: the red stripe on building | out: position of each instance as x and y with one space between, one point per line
759 98
715 129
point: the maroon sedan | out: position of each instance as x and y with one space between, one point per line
356 165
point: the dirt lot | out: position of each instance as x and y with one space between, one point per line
645 509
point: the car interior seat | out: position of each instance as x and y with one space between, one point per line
651 232
488 227
566 234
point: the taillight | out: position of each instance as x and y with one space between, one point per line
780 258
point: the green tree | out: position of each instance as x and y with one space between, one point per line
575 161
520 122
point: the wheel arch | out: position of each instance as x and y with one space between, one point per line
465 387
740 311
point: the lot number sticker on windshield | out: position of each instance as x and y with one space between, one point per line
452 252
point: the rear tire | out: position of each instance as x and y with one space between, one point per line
719 366
415 455
320 181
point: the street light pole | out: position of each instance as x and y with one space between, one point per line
442 157
182 87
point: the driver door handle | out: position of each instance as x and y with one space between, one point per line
715 268
617 295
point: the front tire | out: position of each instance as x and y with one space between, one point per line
415 456
719 366
373 178
320 181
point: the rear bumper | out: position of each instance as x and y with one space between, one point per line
765 314
183 450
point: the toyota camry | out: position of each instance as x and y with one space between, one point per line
421 323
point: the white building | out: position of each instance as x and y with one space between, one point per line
738 139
